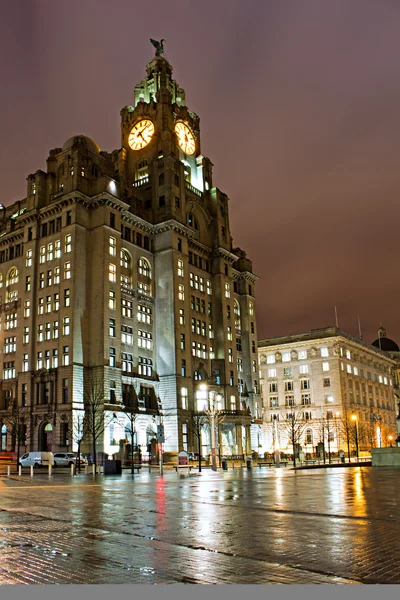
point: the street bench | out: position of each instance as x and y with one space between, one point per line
310 462
177 467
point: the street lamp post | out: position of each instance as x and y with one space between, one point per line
329 441
390 438
210 400
354 418
277 452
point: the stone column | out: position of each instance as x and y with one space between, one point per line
238 433
248 440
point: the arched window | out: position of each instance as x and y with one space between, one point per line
12 276
126 260
161 179
142 169
236 310
144 268
309 436
192 221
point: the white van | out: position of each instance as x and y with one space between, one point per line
37 459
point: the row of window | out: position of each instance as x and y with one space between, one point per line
370 376
129 235
47 359
145 365
287 355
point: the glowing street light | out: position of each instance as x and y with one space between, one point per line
354 418
390 438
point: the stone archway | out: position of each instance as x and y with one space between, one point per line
46 437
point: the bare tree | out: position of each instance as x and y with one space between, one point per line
78 430
294 425
195 424
95 416
130 408
16 421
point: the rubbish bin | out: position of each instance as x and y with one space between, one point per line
248 463
112 467
224 464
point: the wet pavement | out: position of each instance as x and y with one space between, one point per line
237 527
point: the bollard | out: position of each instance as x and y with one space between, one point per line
49 471
94 470
98 470
19 471
31 470
8 471
86 469
72 470
248 463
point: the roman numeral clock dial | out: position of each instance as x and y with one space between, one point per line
141 134
185 138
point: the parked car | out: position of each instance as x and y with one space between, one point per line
66 459
36 459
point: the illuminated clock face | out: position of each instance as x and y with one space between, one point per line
185 138
141 134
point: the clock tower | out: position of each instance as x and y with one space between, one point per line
203 287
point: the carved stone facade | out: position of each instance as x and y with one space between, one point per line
122 264
324 378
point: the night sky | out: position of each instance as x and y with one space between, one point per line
299 104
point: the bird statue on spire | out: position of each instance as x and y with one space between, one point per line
158 46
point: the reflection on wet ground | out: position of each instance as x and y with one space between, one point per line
318 526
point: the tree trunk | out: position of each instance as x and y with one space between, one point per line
132 465
294 449
199 446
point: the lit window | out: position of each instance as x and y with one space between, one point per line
126 334
251 308
209 288
66 326
40 360
41 306
348 354
56 275
271 359
111 300
385 381
112 273
286 357
49 278
380 379
229 333
112 328
144 314
28 260
325 366
42 254
25 363
54 359
146 366
303 369
145 339
56 301
27 308
254 362
50 249
48 304
41 281
230 355
180 268
67 270
349 368
126 308
181 316
112 246
355 370
324 352
57 248
144 268
181 292
68 243
47 335
127 362
271 372
26 335
184 397
302 354
65 356
55 330
125 259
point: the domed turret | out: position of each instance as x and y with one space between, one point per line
81 140
384 343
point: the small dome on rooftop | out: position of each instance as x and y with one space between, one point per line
83 140
386 344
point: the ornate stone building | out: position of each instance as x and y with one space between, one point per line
120 268
336 386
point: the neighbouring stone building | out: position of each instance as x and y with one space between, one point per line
336 387
119 268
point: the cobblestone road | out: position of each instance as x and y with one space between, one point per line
263 526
